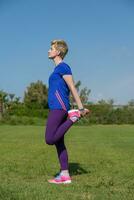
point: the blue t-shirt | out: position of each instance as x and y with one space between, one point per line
58 91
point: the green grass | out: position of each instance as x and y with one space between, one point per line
101 160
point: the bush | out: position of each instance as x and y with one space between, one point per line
22 120
107 114
22 110
100 114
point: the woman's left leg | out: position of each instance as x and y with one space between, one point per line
57 125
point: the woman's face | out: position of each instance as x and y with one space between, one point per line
52 53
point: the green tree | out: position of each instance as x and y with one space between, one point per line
11 96
131 102
17 100
110 101
3 101
77 85
36 95
102 102
84 94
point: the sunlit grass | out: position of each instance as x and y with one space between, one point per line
101 160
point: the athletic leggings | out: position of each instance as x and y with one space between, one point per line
56 127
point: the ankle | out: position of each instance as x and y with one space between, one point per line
64 173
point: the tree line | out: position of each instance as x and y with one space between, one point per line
33 107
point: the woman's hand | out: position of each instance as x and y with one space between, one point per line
84 112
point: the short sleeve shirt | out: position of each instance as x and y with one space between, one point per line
58 91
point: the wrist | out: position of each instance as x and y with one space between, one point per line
81 109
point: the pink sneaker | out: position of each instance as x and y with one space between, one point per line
60 179
74 115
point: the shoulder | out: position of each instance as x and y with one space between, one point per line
64 68
64 65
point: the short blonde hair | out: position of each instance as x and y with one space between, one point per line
61 46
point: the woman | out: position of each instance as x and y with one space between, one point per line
60 117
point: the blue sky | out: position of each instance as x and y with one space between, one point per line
100 36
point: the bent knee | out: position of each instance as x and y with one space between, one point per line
49 142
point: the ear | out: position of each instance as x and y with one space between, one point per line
58 53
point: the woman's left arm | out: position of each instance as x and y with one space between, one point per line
70 82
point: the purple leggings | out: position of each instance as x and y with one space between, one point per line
56 127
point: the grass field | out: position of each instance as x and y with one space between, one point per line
101 160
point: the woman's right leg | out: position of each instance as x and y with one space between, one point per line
62 154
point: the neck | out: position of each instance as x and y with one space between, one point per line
57 60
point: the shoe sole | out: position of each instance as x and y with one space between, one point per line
65 182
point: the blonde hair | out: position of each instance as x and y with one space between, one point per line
61 46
